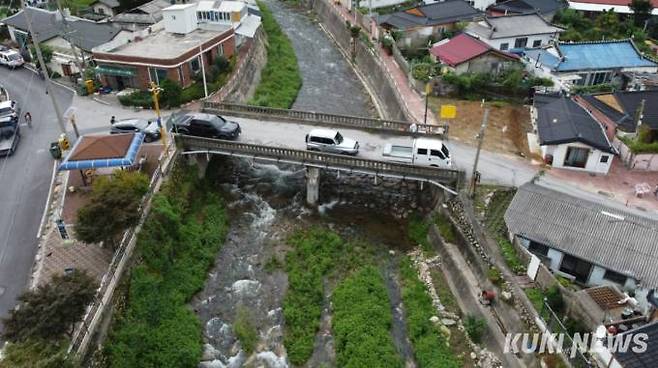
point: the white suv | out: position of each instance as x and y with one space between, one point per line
331 141
11 58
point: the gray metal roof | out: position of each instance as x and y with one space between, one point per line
46 24
616 238
110 3
564 121
512 26
444 12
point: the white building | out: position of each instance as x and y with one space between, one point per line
210 14
570 137
515 32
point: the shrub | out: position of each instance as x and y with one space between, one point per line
37 353
555 299
495 276
177 245
536 297
280 79
445 228
137 98
193 92
171 95
475 328
417 232
387 44
429 344
362 320
245 330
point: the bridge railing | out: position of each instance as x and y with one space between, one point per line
319 159
319 118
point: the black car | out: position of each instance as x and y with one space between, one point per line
149 128
206 125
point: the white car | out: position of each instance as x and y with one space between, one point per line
11 59
423 152
331 141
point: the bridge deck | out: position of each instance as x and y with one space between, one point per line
191 144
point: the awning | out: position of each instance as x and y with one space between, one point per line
127 160
116 71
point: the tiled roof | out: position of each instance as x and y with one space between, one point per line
529 6
611 236
512 26
449 11
594 55
100 147
645 359
564 121
462 48
612 2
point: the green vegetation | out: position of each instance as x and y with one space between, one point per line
536 296
510 255
176 247
37 353
138 98
445 294
513 83
280 79
607 25
317 255
494 275
637 146
417 231
597 88
51 310
362 320
475 328
445 228
245 330
429 344
113 207
495 222
77 6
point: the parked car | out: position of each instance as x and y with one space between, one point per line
331 141
149 128
9 108
11 59
422 152
205 125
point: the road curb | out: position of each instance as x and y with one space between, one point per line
34 70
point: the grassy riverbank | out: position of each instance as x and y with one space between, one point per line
280 79
155 327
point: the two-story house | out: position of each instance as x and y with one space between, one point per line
515 32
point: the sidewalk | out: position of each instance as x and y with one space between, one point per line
414 103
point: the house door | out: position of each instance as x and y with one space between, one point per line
576 157
66 69
576 267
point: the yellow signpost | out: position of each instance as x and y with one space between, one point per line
448 111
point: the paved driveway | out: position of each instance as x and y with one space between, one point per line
24 181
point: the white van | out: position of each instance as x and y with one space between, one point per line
423 152
11 59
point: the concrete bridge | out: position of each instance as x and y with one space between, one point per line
199 149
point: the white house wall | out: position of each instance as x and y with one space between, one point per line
593 164
498 42
374 4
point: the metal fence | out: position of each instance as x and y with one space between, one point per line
321 160
85 330
554 325
390 126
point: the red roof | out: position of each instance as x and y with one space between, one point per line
462 48
654 3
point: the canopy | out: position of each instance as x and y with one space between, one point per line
91 152
116 71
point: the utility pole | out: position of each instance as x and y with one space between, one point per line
49 90
638 115
480 137
78 61
203 70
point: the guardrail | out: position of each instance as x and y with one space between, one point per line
322 160
85 330
319 118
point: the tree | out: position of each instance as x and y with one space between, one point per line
171 93
641 11
113 208
50 311
46 52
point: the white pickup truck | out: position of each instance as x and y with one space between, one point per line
423 152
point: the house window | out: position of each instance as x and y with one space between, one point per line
536 43
181 76
220 49
599 78
538 249
604 159
520 42
614 277
576 267
504 46
576 157
157 75
195 65
101 11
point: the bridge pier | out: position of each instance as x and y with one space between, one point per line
312 185
201 160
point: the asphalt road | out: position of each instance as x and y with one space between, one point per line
25 180
495 168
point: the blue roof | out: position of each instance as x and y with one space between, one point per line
600 55
127 160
